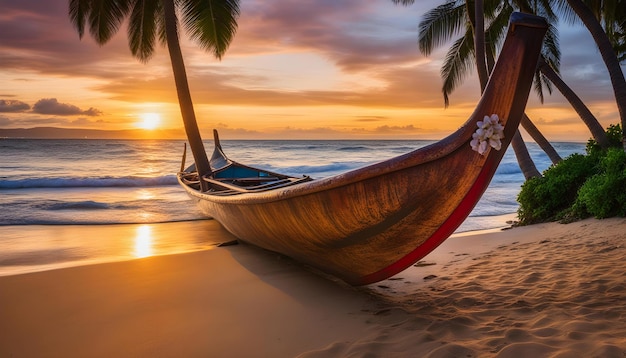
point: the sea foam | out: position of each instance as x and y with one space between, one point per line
131 182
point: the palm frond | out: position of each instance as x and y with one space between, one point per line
612 16
142 28
546 82
551 50
439 25
403 2
492 8
538 86
78 12
541 82
162 35
621 51
496 31
105 18
544 8
540 8
458 63
212 23
567 14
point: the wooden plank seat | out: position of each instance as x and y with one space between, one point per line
224 188
191 180
251 182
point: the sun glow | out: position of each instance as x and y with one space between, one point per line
149 121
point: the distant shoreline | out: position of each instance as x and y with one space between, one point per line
76 133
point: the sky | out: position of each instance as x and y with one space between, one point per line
307 69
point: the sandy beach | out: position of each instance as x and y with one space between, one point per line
548 290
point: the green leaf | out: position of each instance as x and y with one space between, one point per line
142 28
105 18
212 23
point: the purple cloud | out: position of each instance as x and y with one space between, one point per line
12 106
52 106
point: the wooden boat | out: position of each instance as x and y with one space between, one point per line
371 223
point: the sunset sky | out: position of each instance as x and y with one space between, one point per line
319 69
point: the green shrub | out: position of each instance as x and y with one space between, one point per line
546 198
604 194
579 186
613 132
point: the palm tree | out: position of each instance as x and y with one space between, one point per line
212 23
612 16
451 15
608 56
441 23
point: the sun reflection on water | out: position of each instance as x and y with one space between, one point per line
143 241
145 194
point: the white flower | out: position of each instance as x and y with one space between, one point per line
489 133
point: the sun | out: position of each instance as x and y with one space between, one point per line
149 121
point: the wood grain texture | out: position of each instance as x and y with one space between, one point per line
368 224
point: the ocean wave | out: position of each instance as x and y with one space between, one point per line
87 221
103 182
405 149
357 148
328 169
516 180
508 168
289 148
166 180
78 205
482 211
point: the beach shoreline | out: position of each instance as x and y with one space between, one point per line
544 290
34 248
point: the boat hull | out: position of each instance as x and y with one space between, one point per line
355 230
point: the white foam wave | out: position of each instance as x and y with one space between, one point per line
104 182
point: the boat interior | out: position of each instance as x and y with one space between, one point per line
228 177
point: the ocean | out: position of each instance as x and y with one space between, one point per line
106 182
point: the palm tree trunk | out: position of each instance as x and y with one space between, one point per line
608 56
479 44
184 95
579 106
543 143
526 163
